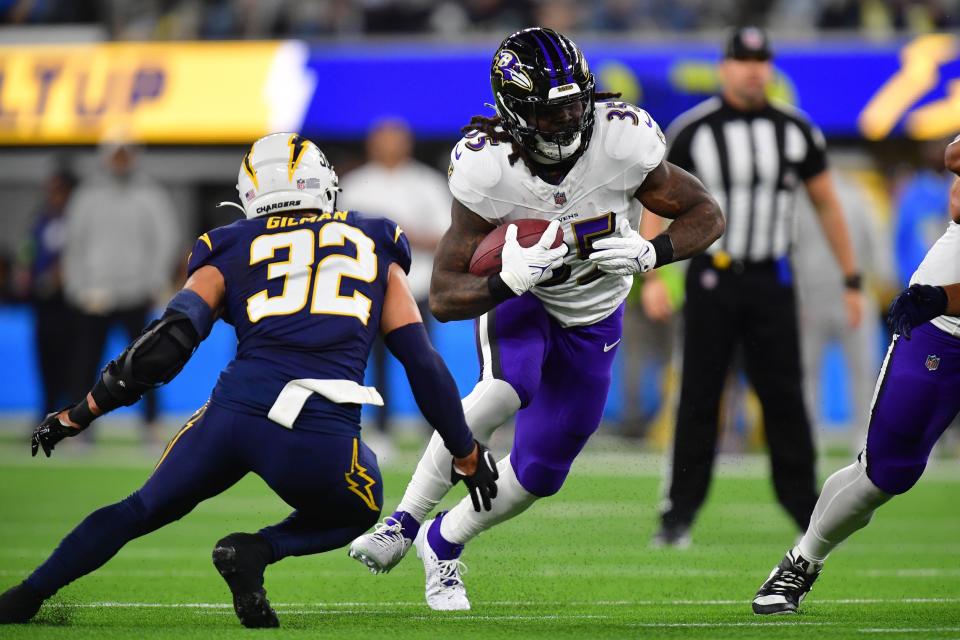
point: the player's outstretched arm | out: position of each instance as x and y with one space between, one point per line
154 358
435 390
671 192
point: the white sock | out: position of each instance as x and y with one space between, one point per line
462 523
847 502
491 403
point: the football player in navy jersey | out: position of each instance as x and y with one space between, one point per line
306 287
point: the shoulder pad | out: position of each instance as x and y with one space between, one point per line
387 235
215 247
475 167
631 135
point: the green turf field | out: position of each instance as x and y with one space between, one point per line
576 565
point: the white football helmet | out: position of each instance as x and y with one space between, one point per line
286 172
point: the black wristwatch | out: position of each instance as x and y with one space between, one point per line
853 282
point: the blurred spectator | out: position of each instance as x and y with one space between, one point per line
121 237
823 324
649 340
883 16
921 210
49 11
395 16
237 19
40 278
415 196
454 17
615 15
560 15
649 337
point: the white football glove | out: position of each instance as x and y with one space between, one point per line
626 255
523 267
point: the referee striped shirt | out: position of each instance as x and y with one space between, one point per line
752 163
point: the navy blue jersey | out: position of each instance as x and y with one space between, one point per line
304 293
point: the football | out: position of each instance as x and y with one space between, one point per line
486 259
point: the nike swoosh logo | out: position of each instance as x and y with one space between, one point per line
607 347
457 152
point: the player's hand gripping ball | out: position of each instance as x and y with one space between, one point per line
487 259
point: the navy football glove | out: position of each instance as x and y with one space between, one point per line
49 432
482 484
915 305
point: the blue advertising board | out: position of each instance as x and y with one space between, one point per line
851 89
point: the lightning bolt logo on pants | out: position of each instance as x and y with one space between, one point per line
358 473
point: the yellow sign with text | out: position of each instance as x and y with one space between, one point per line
146 92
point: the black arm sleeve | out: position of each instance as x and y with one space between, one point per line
433 387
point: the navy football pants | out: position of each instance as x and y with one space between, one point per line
332 482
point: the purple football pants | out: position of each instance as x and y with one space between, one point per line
562 377
917 397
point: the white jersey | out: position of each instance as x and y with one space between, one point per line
941 266
589 203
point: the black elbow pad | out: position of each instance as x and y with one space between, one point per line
153 359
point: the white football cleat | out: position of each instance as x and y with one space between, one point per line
444 588
787 585
383 548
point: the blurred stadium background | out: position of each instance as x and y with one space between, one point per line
183 86
191 82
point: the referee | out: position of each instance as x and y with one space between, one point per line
752 155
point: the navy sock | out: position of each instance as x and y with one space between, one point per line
444 549
408 524
94 541
302 534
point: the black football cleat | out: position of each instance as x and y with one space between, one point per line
241 559
19 604
787 586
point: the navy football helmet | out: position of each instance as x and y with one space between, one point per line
544 92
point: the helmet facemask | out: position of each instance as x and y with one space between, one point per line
554 129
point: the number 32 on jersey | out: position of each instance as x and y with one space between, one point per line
298 270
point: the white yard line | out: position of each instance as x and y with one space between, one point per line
910 630
496 603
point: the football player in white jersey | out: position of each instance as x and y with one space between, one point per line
549 323
915 400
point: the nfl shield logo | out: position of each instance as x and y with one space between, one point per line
559 198
301 183
932 363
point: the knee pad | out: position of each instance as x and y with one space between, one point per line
540 478
893 477
491 403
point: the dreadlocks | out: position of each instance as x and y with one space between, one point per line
490 127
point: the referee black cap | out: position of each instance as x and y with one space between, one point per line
749 43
